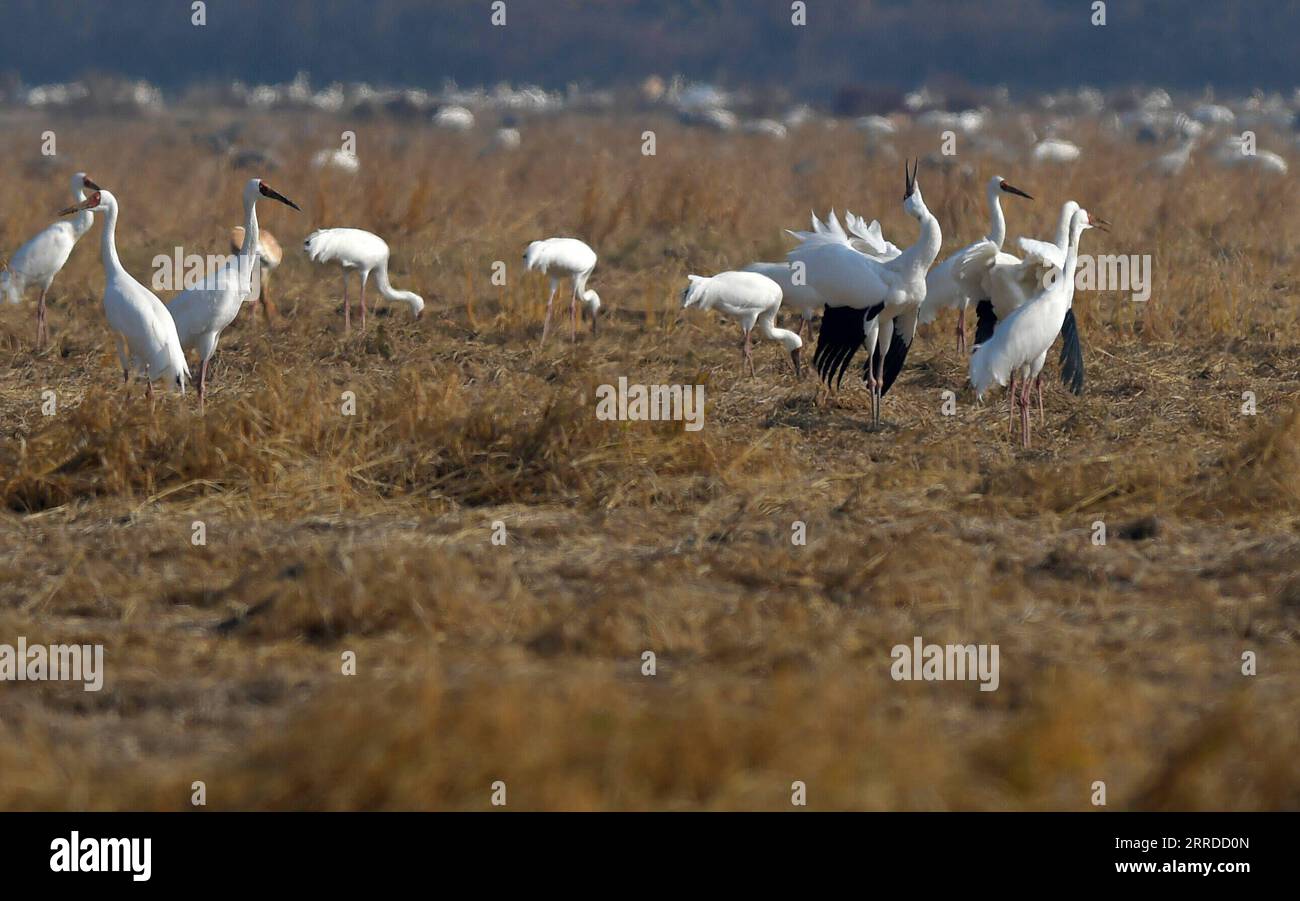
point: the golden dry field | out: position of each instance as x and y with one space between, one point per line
478 662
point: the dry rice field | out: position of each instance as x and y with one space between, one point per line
478 662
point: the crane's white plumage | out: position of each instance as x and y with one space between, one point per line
39 260
203 312
1013 280
799 298
562 258
143 329
1020 343
749 298
958 280
867 300
354 249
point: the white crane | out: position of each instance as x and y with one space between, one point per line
868 300
39 260
796 293
956 281
143 330
1056 150
203 312
749 298
1175 161
1019 345
1013 280
354 249
269 256
562 258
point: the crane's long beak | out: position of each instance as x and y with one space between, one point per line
1012 189
1098 222
268 191
88 204
90 185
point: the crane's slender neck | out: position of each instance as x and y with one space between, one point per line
767 327
998 229
108 241
921 255
81 222
1063 228
251 233
1071 262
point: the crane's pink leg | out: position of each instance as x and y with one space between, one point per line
961 330
749 354
347 309
364 277
1042 417
880 388
1011 403
265 300
42 326
546 323
1026 401
203 381
573 314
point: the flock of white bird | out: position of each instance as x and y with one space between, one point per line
871 293
152 337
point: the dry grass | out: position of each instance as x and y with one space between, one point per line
522 663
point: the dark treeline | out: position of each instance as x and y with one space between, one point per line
1025 44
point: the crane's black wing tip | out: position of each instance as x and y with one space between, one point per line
841 334
1071 354
898 349
985 321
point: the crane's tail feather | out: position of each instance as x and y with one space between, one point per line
1071 354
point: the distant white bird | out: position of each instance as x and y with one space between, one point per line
507 139
562 258
1020 343
39 260
749 298
203 312
1236 152
957 281
354 249
1175 161
340 160
454 118
1055 150
269 256
868 300
143 329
